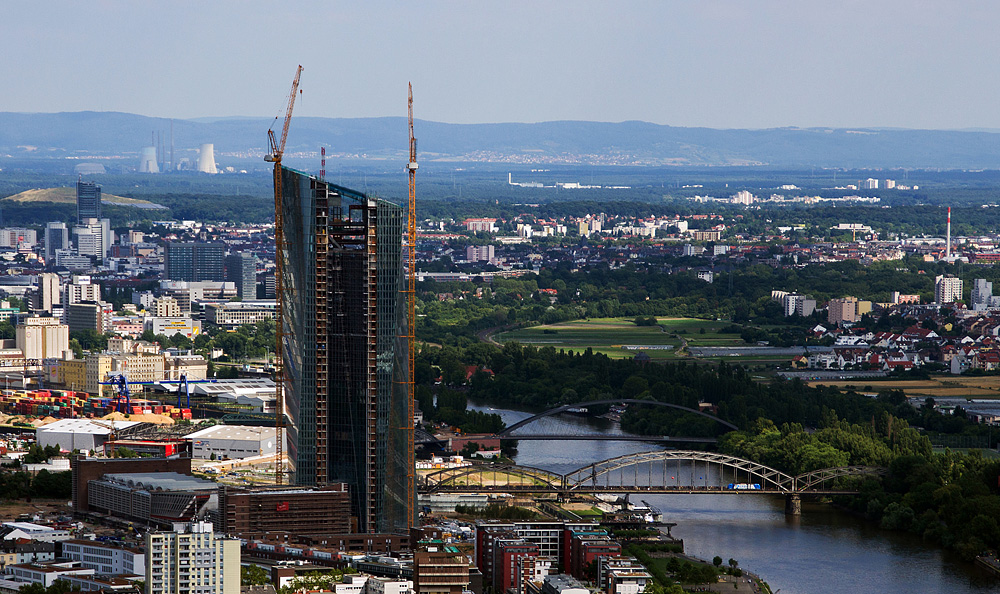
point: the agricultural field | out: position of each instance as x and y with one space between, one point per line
610 335
941 387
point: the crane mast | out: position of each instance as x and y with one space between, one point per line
277 149
411 304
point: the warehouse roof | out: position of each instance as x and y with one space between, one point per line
162 481
85 426
233 432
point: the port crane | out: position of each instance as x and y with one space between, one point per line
277 151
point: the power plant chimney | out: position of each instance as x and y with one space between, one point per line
206 159
947 250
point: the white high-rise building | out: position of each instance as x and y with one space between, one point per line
192 559
982 291
947 289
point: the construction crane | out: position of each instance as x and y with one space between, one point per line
411 168
277 149
123 399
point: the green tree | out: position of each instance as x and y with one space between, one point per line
254 575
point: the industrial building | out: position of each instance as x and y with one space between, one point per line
86 469
153 497
345 350
232 442
79 434
318 512
192 560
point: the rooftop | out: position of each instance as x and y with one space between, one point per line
161 481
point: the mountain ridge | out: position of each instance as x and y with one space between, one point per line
631 142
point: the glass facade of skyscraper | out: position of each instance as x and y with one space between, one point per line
344 351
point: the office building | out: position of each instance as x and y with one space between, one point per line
56 238
18 238
346 360
232 315
86 469
318 511
88 201
194 262
47 295
948 289
241 269
93 237
89 315
158 498
192 559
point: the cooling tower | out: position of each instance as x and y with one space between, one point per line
147 160
206 159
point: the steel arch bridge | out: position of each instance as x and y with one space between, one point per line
508 433
667 471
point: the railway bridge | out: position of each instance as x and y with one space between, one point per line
662 471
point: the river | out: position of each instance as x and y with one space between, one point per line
825 551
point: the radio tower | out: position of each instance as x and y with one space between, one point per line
947 249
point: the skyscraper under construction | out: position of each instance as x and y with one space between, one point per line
345 353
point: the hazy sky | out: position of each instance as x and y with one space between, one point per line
715 63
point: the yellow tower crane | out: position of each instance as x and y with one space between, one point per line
277 150
411 168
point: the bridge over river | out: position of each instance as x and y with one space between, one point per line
663 471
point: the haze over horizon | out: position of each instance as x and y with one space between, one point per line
724 64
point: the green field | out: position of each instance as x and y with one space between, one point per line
609 335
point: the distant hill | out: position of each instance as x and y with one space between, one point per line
68 196
78 134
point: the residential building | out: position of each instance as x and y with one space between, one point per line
194 262
88 200
982 293
344 320
847 310
439 568
105 559
166 307
487 225
948 289
192 559
795 304
241 269
480 253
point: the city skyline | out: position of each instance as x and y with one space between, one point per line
722 64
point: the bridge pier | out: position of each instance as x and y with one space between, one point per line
793 505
